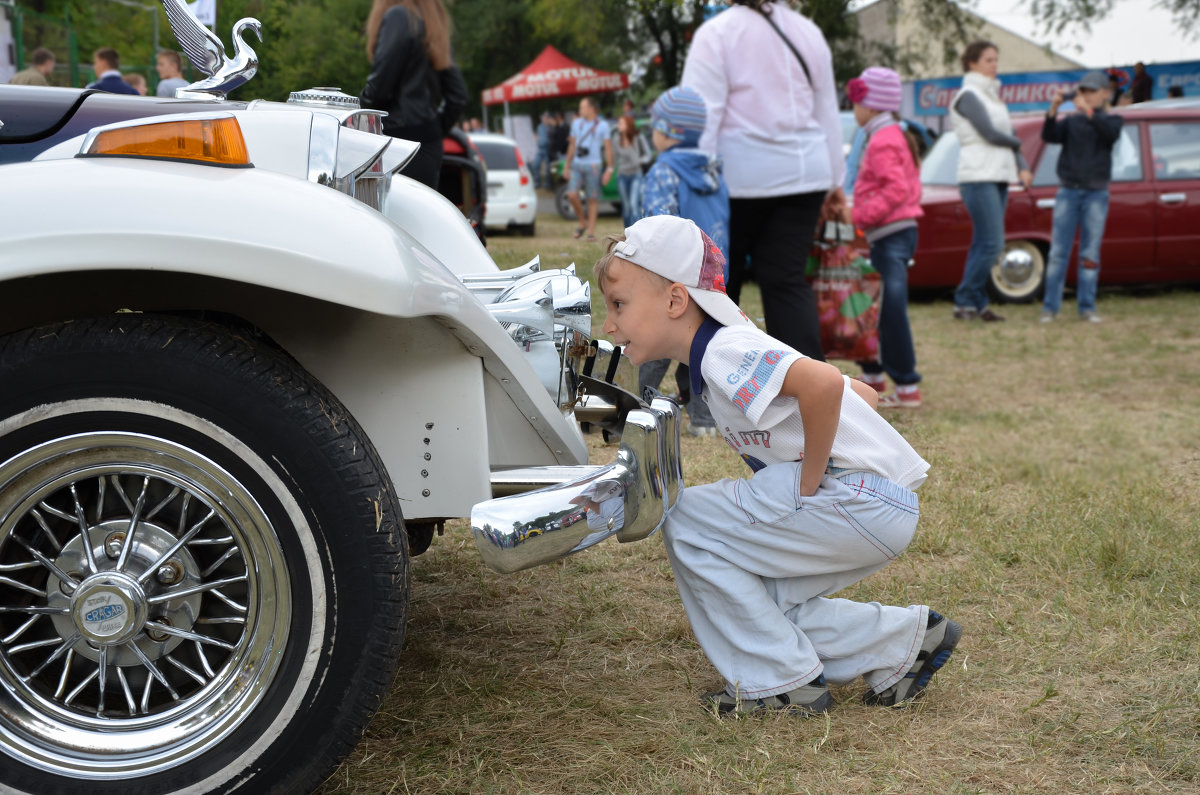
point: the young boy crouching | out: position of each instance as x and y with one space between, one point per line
830 501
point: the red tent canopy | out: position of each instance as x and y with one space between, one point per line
553 74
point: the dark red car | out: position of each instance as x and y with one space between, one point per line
1153 230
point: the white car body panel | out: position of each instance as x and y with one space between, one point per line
277 139
330 279
427 216
509 203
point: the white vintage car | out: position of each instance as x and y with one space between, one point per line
245 369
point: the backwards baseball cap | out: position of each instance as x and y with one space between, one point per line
679 251
1094 80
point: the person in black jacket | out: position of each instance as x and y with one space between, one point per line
414 78
1084 170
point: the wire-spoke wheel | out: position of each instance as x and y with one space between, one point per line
142 594
203 570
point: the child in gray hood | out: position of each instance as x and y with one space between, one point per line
686 182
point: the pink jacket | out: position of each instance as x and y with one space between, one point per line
888 186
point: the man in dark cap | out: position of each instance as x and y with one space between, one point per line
1084 169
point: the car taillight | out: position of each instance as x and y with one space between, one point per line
521 167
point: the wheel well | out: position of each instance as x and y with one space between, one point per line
38 300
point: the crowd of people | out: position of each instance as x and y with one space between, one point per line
106 65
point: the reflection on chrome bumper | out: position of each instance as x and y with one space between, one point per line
629 498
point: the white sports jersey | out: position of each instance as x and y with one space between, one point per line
743 370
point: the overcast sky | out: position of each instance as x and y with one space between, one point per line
1135 31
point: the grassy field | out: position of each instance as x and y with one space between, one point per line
1059 526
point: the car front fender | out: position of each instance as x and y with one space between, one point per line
353 297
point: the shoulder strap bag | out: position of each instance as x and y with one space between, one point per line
788 42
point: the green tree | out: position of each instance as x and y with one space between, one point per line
308 43
495 39
948 29
127 27
1058 15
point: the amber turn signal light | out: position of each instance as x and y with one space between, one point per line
217 141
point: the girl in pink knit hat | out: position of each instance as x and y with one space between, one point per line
887 203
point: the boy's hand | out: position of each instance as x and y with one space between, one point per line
1056 103
817 388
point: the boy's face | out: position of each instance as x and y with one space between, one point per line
1094 98
637 304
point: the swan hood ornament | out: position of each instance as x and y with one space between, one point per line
207 53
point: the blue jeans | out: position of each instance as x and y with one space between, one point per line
630 187
541 163
985 203
1085 210
890 256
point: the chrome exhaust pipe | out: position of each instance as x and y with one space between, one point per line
630 498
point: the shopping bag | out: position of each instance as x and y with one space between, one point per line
849 295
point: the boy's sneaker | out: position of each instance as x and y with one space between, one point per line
901 399
941 636
1047 316
1090 317
965 313
806 700
701 430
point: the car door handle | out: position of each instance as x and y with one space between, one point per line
1173 198
1045 204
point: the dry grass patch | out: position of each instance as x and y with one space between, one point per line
1059 527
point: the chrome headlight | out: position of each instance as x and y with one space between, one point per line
557 344
347 148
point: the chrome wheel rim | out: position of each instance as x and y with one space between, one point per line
1019 271
144 604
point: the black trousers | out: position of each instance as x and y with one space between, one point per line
776 234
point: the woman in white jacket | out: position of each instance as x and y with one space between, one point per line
766 75
990 160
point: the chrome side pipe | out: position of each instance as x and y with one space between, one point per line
629 498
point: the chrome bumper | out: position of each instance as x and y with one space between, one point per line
581 506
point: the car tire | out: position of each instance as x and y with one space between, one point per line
562 204
204 578
1019 276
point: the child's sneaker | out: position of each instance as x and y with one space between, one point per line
905 397
701 430
941 636
806 700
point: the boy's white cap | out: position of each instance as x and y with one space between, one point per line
679 251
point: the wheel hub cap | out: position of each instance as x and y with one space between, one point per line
1017 266
109 608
